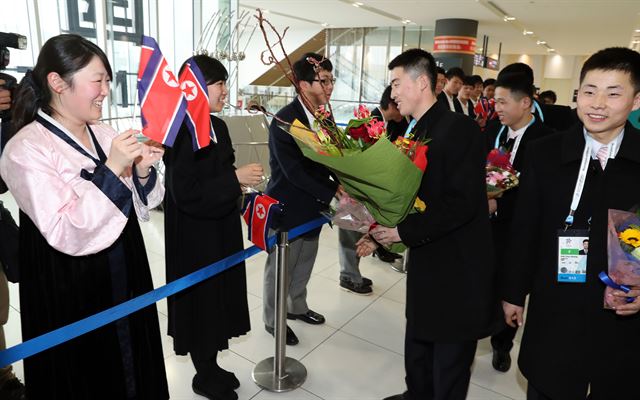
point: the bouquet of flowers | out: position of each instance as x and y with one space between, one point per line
623 247
500 175
383 176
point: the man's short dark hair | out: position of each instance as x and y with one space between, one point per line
417 62
488 82
586 240
548 94
386 99
440 70
304 69
455 72
615 59
468 81
518 83
476 79
520 68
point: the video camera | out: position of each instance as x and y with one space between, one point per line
15 41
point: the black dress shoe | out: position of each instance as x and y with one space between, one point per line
501 360
310 317
212 390
357 288
292 339
367 281
385 255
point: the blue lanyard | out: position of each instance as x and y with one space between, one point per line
497 143
537 107
412 124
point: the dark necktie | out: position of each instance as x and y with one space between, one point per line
509 144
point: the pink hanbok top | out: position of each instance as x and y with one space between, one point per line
74 214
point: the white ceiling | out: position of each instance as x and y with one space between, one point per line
571 27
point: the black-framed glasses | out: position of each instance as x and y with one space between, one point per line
326 81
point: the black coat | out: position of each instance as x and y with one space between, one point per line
302 185
450 289
568 336
442 98
471 112
559 118
202 226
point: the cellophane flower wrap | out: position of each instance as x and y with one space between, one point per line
623 249
350 214
500 175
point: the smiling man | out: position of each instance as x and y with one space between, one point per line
303 186
517 128
450 298
572 346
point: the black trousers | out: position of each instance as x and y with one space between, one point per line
503 340
435 370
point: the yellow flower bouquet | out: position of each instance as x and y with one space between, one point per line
623 245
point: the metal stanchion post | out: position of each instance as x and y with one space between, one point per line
402 268
280 373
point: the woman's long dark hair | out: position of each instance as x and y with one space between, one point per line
65 54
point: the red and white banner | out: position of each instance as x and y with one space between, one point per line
454 44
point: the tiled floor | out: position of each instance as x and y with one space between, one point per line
357 354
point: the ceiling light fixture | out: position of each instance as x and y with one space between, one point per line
541 42
551 50
406 21
526 32
325 24
508 18
637 30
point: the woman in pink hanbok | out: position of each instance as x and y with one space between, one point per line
81 188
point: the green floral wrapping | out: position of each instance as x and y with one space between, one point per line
381 177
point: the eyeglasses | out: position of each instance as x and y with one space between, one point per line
326 81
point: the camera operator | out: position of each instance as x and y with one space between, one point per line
5 97
10 386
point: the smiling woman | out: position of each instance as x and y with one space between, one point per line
81 250
202 226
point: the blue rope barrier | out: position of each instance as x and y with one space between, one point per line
73 330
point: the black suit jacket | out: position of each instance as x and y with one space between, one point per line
451 250
442 97
501 221
470 109
303 186
566 322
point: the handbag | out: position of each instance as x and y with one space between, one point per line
9 241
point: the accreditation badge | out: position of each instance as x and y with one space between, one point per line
573 247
